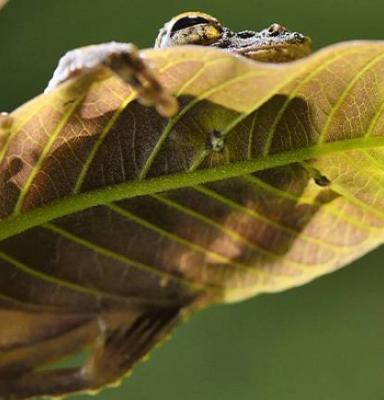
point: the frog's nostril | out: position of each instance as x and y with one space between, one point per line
298 37
276 29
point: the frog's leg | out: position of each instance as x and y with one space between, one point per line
36 338
124 60
116 351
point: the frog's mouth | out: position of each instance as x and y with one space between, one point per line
276 52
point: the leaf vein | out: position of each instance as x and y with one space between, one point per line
123 259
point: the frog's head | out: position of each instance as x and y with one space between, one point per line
273 44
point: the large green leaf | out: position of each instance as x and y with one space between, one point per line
269 176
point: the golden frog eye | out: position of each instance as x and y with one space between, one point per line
189 28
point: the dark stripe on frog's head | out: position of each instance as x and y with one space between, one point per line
189 28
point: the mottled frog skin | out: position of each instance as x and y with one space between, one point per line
273 44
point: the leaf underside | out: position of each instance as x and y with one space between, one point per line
105 205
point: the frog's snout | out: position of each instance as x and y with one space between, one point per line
299 38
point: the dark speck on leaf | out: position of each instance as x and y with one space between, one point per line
68 102
216 141
322 180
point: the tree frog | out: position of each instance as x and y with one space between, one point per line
117 341
273 44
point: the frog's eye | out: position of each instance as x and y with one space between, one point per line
187 22
189 28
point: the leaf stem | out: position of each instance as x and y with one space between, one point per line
77 202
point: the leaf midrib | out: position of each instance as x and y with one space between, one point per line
70 204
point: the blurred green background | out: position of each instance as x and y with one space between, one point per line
321 341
